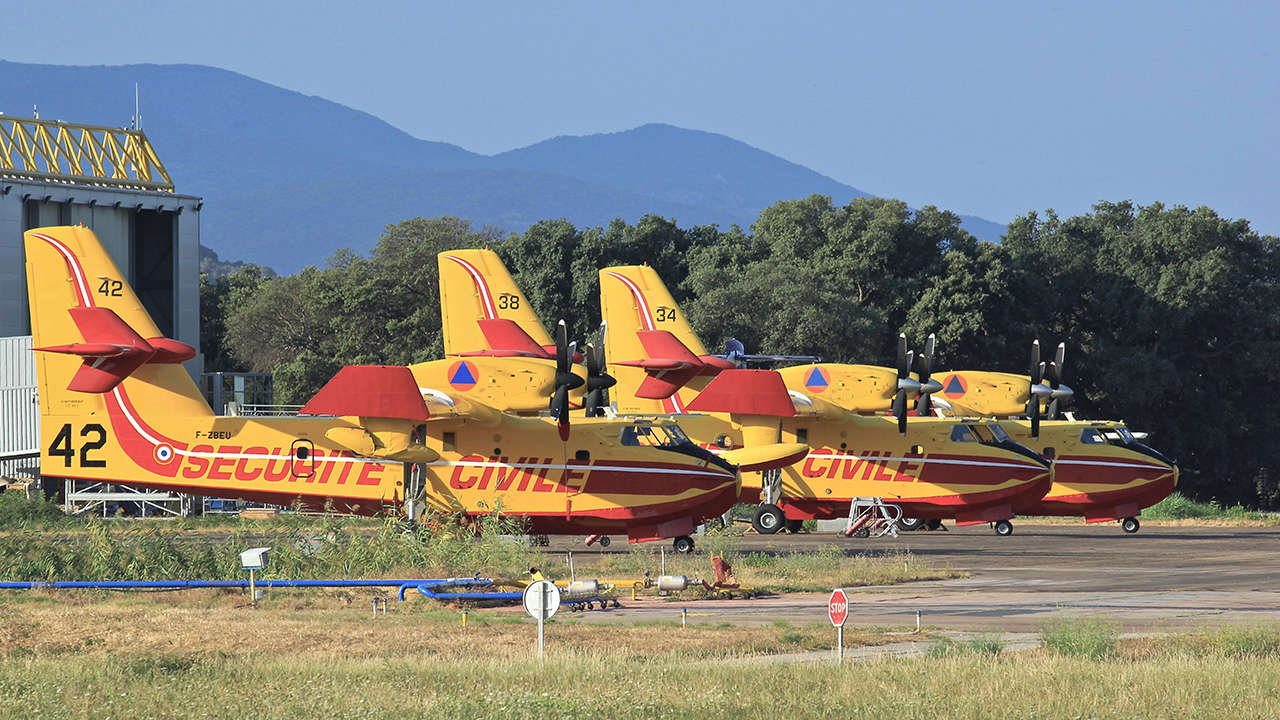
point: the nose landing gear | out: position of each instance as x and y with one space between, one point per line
1130 525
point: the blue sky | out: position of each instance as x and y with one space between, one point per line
984 108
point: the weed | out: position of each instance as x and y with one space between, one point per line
1080 638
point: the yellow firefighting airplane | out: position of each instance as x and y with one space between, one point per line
117 406
1101 472
841 456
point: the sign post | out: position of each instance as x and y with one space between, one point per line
541 600
838 611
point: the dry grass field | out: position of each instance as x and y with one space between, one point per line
323 654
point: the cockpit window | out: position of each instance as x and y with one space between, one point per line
961 433
1089 436
1000 433
662 436
984 435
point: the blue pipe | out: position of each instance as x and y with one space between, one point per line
189 584
428 588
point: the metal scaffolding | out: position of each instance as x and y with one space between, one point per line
61 152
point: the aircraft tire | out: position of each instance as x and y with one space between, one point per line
794 526
934 524
1004 528
604 541
768 519
908 524
1130 525
683 544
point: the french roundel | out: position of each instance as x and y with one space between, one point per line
163 453
817 380
463 375
954 387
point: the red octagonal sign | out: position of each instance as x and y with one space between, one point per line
838 607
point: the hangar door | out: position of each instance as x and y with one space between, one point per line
140 242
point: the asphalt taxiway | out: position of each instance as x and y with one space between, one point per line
1160 579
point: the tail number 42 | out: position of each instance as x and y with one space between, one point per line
95 437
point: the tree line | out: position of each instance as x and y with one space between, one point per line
1169 314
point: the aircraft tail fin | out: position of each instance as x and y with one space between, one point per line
483 310
650 342
88 325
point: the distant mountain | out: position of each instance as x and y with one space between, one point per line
288 178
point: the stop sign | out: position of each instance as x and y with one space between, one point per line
838 607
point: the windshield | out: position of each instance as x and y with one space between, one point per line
1119 436
999 432
961 433
660 436
1090 436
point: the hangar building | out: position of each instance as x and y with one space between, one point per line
111 180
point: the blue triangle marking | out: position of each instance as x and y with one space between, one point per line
462 376
954 387
815 378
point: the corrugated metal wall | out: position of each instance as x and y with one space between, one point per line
19 413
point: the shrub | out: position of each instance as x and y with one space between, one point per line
17 511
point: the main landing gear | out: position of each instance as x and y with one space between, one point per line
768 519
1130 525
683 544
1003 528
908 524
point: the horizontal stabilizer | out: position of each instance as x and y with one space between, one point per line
662 344
766 457
661 385
668 363
506 336
376 391
112 350
745 392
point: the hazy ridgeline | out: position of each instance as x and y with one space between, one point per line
1170 315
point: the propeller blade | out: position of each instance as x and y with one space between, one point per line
565 379
1052 412
900 411
1033 414
926 364
1060 357
564 355
904 362
1037 368
924 407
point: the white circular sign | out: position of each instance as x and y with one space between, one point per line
541 599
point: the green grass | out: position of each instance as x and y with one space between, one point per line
1180 507
1089 639
323 548
982 645
575 683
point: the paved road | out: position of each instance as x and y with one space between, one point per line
1162 578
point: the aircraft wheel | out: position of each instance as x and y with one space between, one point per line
683 544
1004 528
934 524
1130 525
604 541
909 524
794 526
768 519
